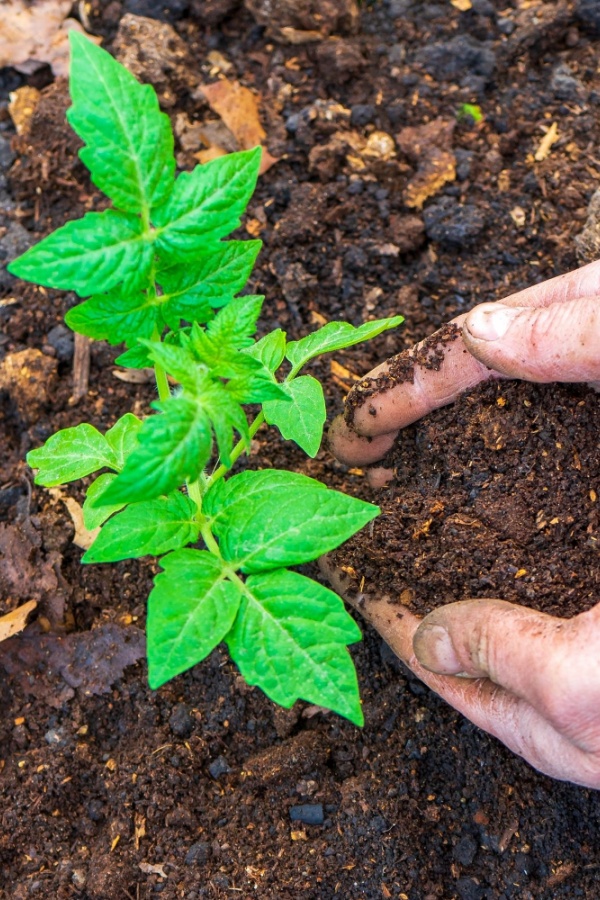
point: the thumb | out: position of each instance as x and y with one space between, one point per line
558 342
512 645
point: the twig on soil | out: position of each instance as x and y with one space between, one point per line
81 368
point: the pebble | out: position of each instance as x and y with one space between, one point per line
564 85
469 889
16 241
356 187
465 850
95 811
198 854
7 155
355 259
164 10
218 767
399 8
308 814
464 163
588 13
61 339
55 737
448 60
452 225
378 824
180 721
506 26
397 54
362 114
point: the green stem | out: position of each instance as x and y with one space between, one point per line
235 453
162 383
195 493
209 538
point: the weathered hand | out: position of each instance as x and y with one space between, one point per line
530 679
533 680
549 332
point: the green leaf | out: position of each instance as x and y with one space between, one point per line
302 419
190 610
206 204
129 140
88 255
135 358
231 330
270 350
115 317
70 454
148 528
210 280
289 638
173 447
235 324
95 516
256 387
181 364
336 336
225 414
123 437
268 519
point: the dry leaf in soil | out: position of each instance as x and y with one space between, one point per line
32 34
15 621
238 108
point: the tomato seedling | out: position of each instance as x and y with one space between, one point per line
160 279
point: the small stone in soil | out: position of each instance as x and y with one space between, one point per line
180 721
448 60
564 84
219 767
469 889
61 339
308 814
453 225
198 854
362 114
164 10
588 12
465 850
55 737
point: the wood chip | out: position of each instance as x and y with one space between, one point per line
139 824
547 142
81 368
134 376
15 621
153 869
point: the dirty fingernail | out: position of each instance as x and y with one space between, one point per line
491 321
434 649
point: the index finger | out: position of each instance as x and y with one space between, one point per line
434 373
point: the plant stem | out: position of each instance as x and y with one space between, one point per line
162 383
208 537
195 493
235 453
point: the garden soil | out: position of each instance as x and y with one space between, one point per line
386 197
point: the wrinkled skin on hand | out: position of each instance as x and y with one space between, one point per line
530 679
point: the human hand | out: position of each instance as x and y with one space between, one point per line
530 679
549 332
534 680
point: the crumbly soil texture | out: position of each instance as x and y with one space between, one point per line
386 197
